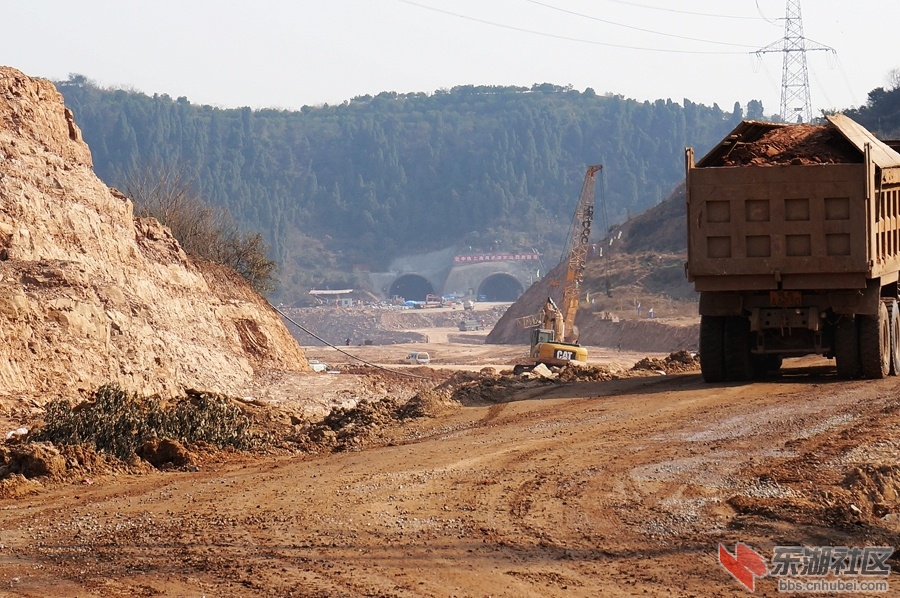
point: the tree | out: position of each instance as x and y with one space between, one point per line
893 78
203 231
755 110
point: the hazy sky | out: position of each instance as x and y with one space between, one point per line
287 54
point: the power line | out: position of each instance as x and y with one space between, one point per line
562 37
693 39
764 18
688 12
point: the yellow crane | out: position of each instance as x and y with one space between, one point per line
554 340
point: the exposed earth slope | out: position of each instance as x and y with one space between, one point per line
89 295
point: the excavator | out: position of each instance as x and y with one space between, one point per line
554 336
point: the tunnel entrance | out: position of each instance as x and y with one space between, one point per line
500 287
411 287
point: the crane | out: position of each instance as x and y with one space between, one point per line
554 341
579 237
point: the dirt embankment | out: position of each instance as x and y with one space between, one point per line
619 318
89 295
650 335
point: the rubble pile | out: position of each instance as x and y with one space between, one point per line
573 373
676 362
794 144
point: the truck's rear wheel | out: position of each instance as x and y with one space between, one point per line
894 318
875 344
846 347
712 348
738 361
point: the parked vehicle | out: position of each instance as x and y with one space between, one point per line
318 366
798 254
467 325
418 358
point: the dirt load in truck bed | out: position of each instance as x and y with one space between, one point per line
793 144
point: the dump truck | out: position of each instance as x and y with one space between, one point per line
794 247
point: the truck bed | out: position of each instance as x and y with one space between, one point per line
803 227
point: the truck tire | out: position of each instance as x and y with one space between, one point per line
894 318
712 348
875 344
738 361
846 347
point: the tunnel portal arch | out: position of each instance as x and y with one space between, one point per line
500 287
411 287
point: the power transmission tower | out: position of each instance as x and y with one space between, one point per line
795 104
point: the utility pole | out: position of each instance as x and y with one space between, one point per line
795 104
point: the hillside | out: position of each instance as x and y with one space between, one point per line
89 295
339 190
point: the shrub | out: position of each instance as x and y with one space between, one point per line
202 230
118 422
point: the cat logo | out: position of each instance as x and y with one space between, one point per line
565 355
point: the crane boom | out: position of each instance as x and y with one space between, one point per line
555 342
579 239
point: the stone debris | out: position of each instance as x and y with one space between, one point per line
677 362
794 144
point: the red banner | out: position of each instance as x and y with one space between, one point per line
495 257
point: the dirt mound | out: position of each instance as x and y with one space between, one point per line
677 362
875 488
585 374
164 453
794 144
351 428
429 403
32 460
17 486
370 422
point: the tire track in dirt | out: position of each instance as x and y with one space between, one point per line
582 489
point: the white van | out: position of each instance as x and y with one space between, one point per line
418 358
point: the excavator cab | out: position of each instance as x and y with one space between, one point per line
547 350
541 335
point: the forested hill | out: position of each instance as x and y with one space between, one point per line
334 188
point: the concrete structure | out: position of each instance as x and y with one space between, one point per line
483 276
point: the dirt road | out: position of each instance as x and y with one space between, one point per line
582 489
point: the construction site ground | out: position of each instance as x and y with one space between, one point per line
623 485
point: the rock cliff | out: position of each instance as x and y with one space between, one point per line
90 295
